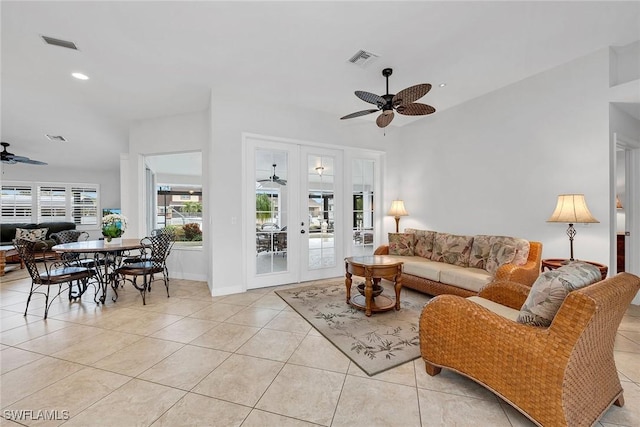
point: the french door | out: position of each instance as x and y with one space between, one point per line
294 209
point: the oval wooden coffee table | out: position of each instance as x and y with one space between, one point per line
373 268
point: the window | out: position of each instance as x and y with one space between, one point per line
16 203
84 205
52 204
77 203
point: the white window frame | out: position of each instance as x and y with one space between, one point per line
69 204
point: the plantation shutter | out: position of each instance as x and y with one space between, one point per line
52 203
16 202
84 205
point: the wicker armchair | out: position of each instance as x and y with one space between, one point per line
561 375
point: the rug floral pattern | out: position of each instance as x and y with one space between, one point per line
375 343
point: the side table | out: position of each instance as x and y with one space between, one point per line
373 269
5 252
553 263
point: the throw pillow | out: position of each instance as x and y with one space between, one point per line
452 249
33 235
499 255
401 244
550 289
522 247
480 251
423 242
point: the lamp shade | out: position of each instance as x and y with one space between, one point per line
572 209
397 209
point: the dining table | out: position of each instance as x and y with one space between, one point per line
107 257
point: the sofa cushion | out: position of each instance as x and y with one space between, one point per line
550 289
401 244
521 245
480 251
423 242
499 255
471 279
32 235
452 249
499 309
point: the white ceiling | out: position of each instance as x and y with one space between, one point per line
149 59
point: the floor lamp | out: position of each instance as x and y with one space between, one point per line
572 209
397 210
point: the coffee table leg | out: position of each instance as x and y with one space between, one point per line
347 283
368 293
398 287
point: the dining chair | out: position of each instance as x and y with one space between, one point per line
47 274
152 261
72 236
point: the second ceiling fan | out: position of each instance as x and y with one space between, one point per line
403 102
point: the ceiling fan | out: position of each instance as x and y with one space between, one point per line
274 178
12 159
402 102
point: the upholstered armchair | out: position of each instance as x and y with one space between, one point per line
563 374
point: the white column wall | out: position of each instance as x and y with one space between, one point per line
173 134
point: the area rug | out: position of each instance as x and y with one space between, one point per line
375 343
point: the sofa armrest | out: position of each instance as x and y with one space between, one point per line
510 294
382 250
525 274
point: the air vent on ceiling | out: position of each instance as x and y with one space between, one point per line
58 42
56 138
363 58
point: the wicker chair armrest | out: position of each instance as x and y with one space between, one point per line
382 250
510 294
454 332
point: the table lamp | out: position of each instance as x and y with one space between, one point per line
572 209
397 210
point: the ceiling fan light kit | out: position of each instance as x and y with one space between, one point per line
12 159
403 102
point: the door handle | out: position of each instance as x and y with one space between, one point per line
302 231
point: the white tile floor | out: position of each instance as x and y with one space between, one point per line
239 360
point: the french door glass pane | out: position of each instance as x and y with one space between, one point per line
271 211
321 242
362 225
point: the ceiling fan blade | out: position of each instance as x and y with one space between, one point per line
371 98
358 114
8 161
415 109
29 161
411 94
383 119
281 181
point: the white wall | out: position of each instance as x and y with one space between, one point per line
180 133
229 119
496 164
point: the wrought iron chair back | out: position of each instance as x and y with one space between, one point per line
27 249
67 236
50 274
152 260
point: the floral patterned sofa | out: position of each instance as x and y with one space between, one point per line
441 263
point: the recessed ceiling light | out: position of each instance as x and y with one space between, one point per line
442 84
80 76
